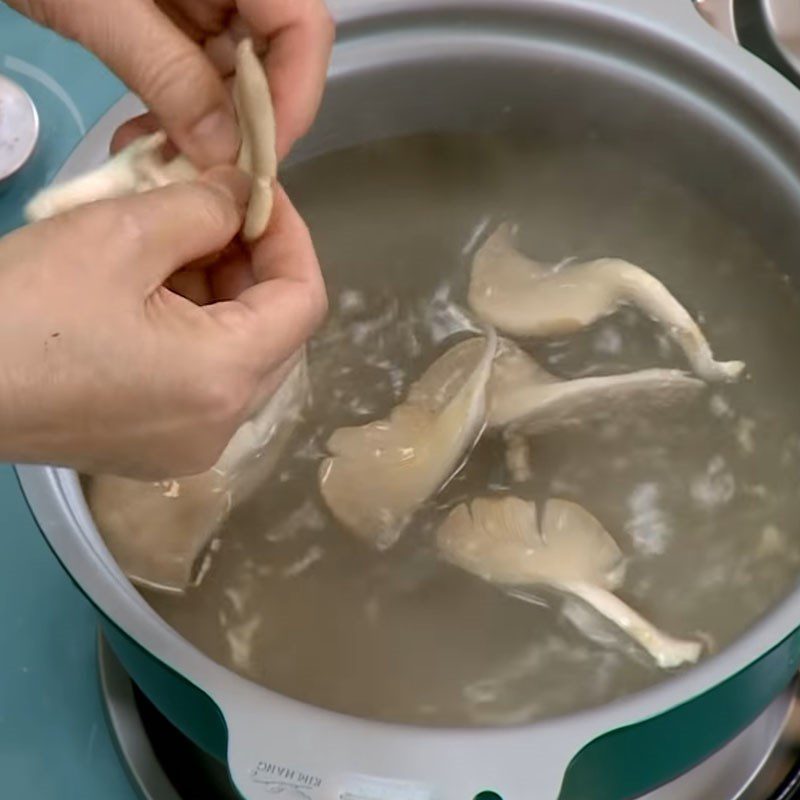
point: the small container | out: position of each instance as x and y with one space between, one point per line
19 128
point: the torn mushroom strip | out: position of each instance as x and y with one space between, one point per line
158 531
141 166
499 540
522 297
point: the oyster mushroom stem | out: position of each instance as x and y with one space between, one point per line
119 176
667 651
141 167
522 297
518 457
379 474
501 540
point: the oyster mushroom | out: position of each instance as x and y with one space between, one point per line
141 166
257 156
499 539
378 474
523 396
157 531
522 297
137 168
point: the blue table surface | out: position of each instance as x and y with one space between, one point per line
54 742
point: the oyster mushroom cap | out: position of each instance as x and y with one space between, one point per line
523 395
499 540
141 166
378 474
523 297
157 531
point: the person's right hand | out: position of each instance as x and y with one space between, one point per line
174 54
104 369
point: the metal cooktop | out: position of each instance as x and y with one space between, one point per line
62 715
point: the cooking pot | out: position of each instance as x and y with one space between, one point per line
648 75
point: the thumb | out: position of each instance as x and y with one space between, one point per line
163 230
156 60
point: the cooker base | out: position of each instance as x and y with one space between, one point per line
163 764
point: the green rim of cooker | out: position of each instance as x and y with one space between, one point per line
624 763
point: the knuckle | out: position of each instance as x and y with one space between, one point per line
319 303
102 224
312 308
175 74
226 399
125 226
52 15
315 303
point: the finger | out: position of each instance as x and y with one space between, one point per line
286 251
234 249
218 276
221 49
171 74
163 230
287 302
133 129
191 284
230 277
300 34
208 17
181 20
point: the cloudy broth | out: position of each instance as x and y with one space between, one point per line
703 500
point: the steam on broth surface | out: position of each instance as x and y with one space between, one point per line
703 500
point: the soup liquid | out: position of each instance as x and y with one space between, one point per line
703 501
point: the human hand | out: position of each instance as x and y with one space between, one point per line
175 55
104 369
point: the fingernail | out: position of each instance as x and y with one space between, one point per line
232 181
217 136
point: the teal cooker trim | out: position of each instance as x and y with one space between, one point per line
623 764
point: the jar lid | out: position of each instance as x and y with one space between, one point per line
19 128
